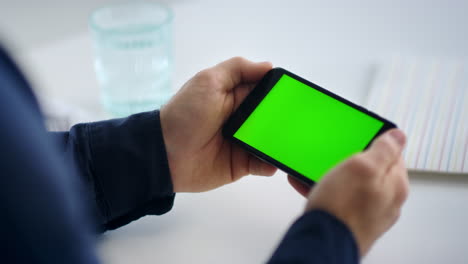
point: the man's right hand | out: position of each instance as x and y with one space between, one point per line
366 191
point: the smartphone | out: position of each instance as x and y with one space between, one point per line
300 127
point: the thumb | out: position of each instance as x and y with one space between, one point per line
387 148
239 70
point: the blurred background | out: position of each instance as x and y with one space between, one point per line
340 45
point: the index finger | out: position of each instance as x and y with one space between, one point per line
300 187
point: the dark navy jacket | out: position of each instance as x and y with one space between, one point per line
58 189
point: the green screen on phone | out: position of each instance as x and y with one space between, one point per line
305 129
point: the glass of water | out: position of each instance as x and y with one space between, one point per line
133 46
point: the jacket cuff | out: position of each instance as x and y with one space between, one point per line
317 237
129 168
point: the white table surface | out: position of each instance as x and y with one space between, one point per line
335 44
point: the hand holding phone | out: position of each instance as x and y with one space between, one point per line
365 192
200 158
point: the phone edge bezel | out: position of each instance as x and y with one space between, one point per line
259 92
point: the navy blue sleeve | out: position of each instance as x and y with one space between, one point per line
48 181
317 237
42 218
124 165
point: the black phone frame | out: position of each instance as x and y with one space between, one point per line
256 96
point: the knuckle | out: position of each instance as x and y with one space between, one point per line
400 198
206 77
363 167
238 59
395 215
405 189
370 192
402 192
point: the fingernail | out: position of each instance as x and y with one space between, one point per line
398 136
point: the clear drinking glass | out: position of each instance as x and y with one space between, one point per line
133 46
